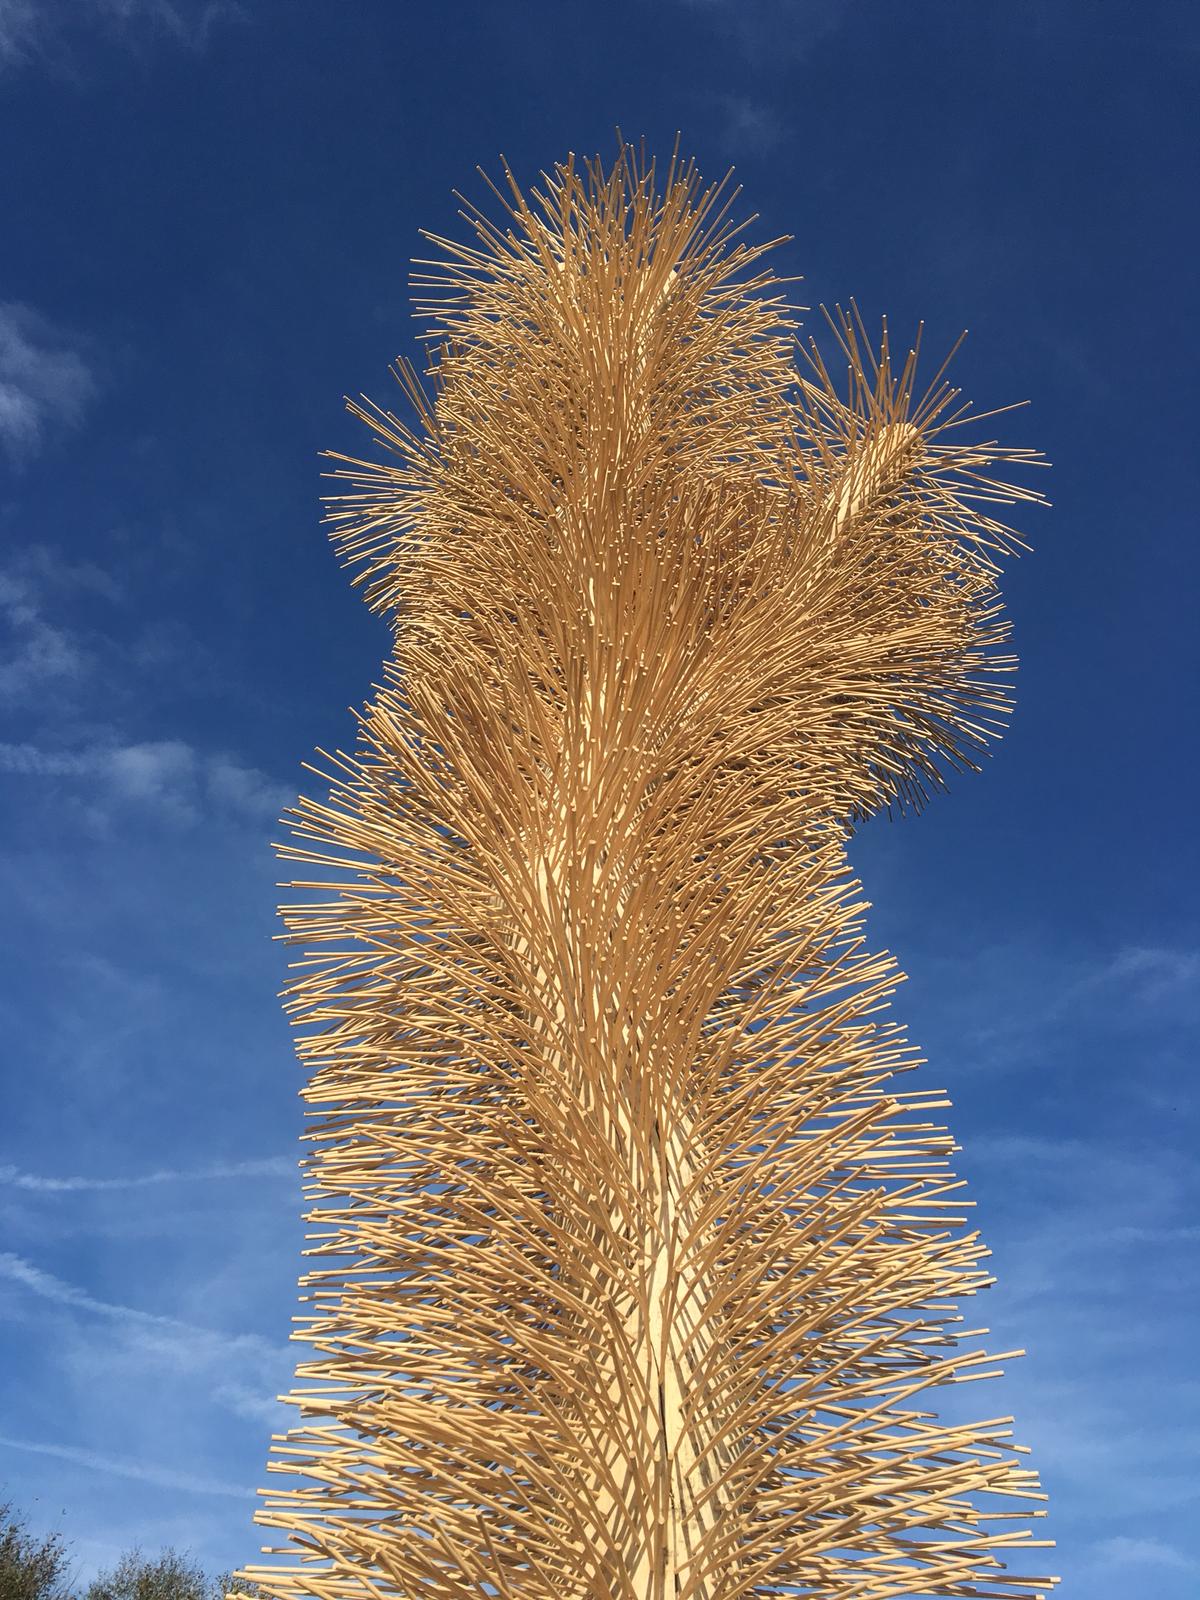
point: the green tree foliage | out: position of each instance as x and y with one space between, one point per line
31 1568
169 1576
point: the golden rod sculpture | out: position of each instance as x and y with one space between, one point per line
632 1269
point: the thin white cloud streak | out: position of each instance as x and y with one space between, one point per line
240 1373
36 1183
123 1467
48 1287
201 1343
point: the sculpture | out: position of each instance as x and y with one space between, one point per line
632 1265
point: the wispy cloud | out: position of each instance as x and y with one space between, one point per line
182 784
251 1404
38 1183
1091 1238
1142 1553
53 569
52 644
167 777
767 31
35 653
1146 990
751 125
189 22
162 1477
20 21
29 761
140 1353
45 383
53 650
47 1287
1152 973
162 775
182 1344
42 31
1133 986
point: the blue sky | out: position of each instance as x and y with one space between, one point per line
210 213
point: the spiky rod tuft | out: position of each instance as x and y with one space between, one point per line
634 1273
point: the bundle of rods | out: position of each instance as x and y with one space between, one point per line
635 1276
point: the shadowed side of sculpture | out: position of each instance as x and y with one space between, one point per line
633 1269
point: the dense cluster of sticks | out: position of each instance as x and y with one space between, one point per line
632 1270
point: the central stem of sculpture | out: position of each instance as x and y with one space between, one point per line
654 1474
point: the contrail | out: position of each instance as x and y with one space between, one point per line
35 1183
121 1467
206 1341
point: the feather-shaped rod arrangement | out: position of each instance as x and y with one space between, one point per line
636 1275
